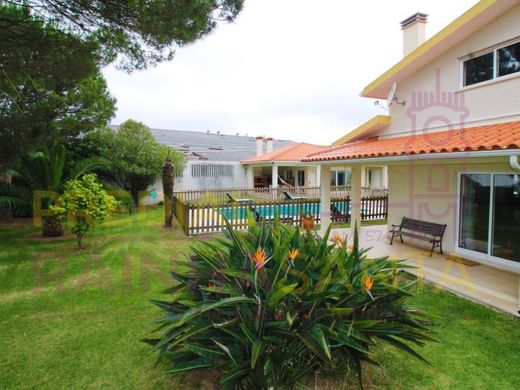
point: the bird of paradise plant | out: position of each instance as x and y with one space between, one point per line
270 306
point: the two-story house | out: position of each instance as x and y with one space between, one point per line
451 139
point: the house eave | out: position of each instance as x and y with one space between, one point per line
418 157
468 23
375 123
278 162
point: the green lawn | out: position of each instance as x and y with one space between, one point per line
73 319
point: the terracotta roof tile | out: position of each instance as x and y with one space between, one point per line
295 152
490 137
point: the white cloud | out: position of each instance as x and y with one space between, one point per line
288 68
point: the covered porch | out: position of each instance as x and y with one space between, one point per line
282 174
474 195
494 287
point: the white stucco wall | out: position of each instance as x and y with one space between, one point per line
312 177
188 182
489 102
428 190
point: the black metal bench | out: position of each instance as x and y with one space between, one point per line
419 230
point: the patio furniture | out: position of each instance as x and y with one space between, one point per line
259 218
336 215
262 181
242 200
291 197
419 230
255 213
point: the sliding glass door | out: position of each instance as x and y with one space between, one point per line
506 223
474 212
489 217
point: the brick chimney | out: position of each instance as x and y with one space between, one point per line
414 32
269 145
259 146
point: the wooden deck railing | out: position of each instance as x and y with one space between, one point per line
198 218
218 196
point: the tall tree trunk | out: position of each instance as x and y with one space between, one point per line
168 176
6 213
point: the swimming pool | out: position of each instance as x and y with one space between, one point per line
268 211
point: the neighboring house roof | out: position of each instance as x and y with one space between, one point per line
210 146
468 23
374 124
498 136
295 152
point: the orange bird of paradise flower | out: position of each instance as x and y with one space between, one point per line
293 253
338 239
368 282
259 258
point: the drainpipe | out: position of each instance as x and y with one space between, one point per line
514 163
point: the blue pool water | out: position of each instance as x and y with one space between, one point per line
283 210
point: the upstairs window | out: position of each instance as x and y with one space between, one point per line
502 61
509 59
478 69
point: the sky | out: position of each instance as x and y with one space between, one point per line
290 69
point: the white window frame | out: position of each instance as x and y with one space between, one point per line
334 173
484 258
496 77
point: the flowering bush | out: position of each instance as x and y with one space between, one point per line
268 306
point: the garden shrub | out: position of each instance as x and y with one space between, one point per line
87 203
268 306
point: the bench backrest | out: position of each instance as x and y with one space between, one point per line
416 225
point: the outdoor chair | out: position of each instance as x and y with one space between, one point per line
242 200
336 215
290 197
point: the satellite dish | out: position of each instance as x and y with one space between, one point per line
391 95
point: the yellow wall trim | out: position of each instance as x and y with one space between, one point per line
437 39
376 123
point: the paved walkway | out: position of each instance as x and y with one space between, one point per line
494 287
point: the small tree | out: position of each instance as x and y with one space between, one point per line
87 203
137 158
168 177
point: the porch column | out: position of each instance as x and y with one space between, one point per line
324 196
250 173
355 196
318 176
274 174
363 175
385 176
